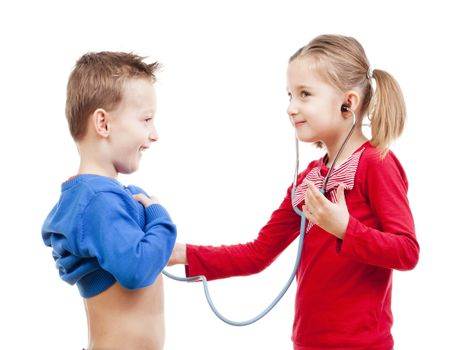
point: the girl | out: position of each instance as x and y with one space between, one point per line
361 229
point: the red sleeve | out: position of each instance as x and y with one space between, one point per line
249 258
392 243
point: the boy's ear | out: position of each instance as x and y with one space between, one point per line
101 123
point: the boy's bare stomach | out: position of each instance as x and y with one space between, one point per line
122 319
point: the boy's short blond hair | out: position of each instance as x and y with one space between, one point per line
97 82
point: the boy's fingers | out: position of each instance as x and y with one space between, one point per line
146 201
142 198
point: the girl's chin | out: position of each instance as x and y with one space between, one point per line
306 138
304 135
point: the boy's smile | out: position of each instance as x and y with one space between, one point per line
132 128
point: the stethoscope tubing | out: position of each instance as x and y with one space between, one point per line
282 292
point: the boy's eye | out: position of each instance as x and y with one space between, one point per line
148 119
289 96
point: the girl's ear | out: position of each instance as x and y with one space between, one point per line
101 122
351 100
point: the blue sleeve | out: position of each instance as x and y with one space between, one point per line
135 257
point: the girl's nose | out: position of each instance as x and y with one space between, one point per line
291 110
153 136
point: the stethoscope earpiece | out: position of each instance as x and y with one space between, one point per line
345 108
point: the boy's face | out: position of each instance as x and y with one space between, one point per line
132 127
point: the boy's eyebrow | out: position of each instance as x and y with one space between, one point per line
149 111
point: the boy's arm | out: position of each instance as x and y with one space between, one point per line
133 256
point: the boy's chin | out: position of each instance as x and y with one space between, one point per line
126 170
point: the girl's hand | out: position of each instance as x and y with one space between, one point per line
144 200
332 217
179 255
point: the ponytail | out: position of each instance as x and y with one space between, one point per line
387 112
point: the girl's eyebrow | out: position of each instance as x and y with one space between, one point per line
301 87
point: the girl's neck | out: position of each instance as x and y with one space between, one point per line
356 140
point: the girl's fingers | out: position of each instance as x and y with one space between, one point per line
315 194
307 212
309 198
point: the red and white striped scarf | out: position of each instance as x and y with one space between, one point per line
343 174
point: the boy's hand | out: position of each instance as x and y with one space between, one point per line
144 200
332 217
179 255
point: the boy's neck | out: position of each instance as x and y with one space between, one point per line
88 168
93 162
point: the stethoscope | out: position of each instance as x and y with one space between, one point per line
202 278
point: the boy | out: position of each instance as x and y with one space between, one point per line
110 240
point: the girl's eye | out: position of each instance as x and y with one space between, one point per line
305 93
148 119
289 96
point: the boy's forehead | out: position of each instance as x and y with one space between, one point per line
138 99
139 91
138 84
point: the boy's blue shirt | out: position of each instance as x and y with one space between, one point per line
100 234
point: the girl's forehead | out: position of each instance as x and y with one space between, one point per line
304 69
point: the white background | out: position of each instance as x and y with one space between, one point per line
225 155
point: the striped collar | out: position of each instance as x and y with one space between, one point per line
343 174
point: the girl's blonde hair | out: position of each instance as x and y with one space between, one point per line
342 61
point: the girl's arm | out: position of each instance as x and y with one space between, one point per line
386 238
243 259
391 243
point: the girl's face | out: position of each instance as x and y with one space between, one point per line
315 105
